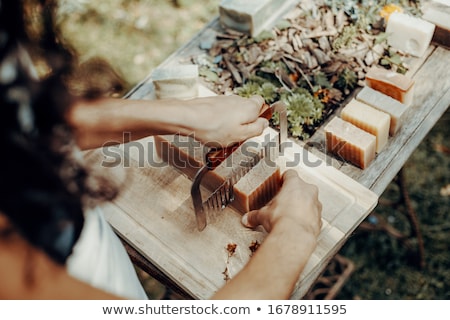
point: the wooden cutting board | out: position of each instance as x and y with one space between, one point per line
155 215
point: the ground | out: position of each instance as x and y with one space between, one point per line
135 36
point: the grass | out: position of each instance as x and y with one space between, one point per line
385 268
135 36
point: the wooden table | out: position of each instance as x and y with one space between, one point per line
154 215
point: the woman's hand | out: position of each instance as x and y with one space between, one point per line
297 203
293 220
221 121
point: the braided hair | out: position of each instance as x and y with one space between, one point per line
42 179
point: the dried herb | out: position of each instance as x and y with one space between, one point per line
231 249
394 61
254 246
345 38
226 275
312 60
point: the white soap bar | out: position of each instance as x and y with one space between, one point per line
368 119
249 16
391 83
409 34
386 104
444 2
438 12
179 82
350 142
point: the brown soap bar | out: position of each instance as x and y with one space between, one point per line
257 187
438 13
252 191
391 83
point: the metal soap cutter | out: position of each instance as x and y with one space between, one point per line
224 194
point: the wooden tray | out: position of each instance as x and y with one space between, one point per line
154 213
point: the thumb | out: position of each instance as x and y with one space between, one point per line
255 128
251 219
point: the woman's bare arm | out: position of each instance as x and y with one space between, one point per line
26 273
293 219
218 121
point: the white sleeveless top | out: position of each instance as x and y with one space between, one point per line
100 259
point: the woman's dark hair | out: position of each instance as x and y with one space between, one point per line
42 180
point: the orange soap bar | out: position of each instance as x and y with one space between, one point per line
252 191
393 84
349 142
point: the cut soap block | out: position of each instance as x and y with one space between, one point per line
391 83
257 187
350 142
386 104
250 16
180 82
409 34
368 119
438 13
251 192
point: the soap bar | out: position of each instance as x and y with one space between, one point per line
257 187
438 13
249 16
252 191
368 119
179 82
386 104
409 34
350 142
391 83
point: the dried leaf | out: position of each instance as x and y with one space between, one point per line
264 36
254 246
208 74
381 38
231 249
283 24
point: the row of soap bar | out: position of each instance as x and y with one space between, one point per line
368 120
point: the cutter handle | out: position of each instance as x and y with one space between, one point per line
216 156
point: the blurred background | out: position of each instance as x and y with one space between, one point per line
384 259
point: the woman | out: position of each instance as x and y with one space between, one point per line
54 241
